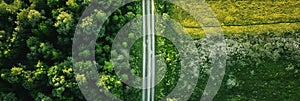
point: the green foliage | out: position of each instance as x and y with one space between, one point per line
253 61
36 48
8 96
73 5
27 18
61 78
42 97
31 49
64 23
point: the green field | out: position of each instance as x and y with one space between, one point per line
247 17
253 26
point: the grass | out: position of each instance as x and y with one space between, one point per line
279 28
270 80
251 17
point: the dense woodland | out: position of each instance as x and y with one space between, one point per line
262 37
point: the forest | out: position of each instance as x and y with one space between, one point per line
37 63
